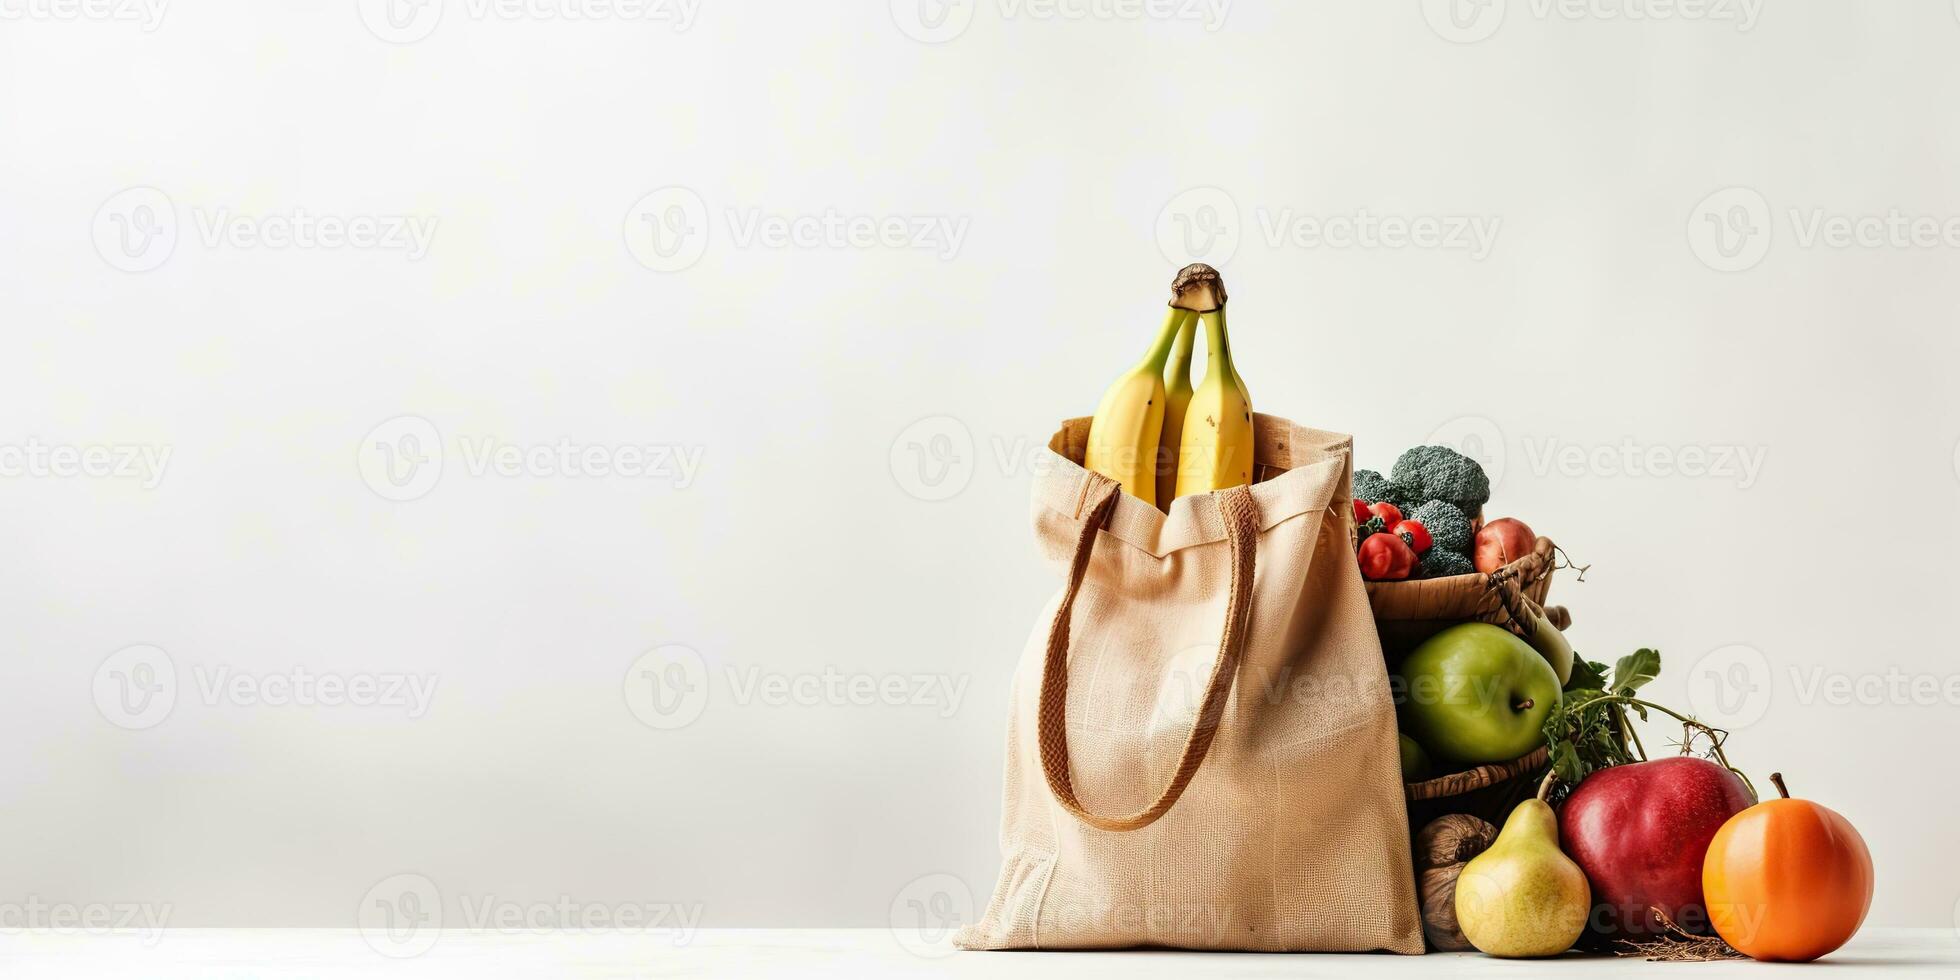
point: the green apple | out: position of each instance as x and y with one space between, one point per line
1475 693
1415 762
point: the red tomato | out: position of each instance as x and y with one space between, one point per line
1419 538
1390 514
1386 558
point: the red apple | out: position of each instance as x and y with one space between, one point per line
1640 832
1502 542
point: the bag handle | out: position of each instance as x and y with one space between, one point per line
1241 516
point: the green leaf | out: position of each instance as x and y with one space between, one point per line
1576 699
1586 674
1565 762
1635 669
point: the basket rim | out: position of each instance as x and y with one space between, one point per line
1476 778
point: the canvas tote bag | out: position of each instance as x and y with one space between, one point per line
1201 746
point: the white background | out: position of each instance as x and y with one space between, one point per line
828 528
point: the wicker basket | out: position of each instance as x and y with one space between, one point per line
1513 597
1491 791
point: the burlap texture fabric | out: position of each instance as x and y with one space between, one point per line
1201 744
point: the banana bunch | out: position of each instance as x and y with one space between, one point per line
1157 435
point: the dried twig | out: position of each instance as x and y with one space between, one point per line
1677 945
1563 560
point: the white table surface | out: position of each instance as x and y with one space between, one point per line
746 953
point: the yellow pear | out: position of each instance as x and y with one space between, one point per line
1523 897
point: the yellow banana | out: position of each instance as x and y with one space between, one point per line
1216 450
1124 434
1177 398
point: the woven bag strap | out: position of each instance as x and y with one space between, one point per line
1241 518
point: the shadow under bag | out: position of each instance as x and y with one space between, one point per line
1201 748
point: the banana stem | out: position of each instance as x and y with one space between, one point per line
1218 350
1198 287
1187 338
1160 350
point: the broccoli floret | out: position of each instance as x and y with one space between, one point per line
1375 488
1440 561
1371 486
1442 473
1447 526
